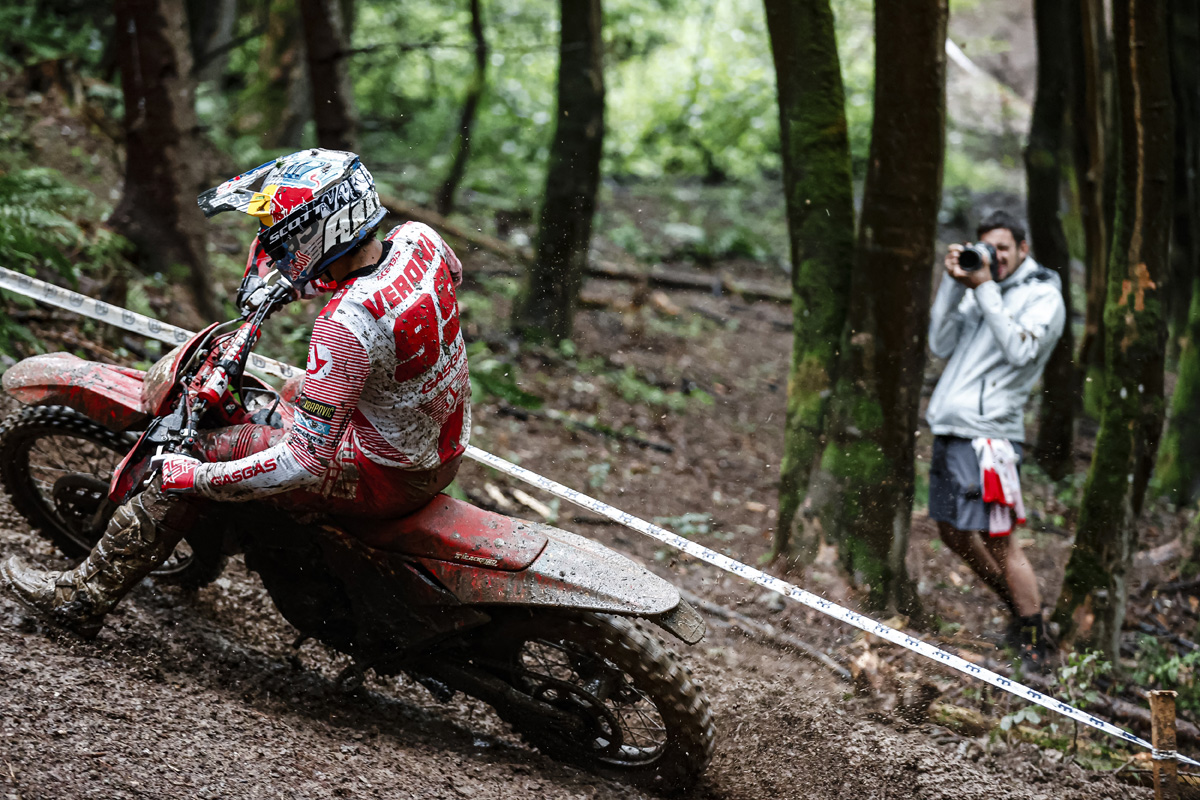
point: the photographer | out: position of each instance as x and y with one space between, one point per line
997 316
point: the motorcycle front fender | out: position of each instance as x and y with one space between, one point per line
106 394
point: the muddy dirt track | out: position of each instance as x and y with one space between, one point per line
203 696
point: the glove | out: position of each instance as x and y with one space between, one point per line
252 285
178 472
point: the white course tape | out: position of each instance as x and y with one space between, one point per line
807 598
72 301
121 318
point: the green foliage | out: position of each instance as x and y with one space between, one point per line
700 104
1026 714
1077 678
598 474
492 376
689 525
1077 681
855 24
690 94
634 389
1159 668
46 222
38 31
479 306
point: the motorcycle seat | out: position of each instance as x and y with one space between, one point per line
451 530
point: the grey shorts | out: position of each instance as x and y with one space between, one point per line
955 494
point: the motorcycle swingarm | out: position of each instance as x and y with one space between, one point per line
499 694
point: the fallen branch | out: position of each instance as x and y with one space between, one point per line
443 225
782 641
658 275
524 414
543 510
71 340
666 277
1140 717
1179 586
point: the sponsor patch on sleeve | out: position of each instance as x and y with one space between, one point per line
313 426
315 408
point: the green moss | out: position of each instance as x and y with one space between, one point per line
820 209
1178 473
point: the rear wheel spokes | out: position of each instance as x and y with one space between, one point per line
54 457
70 476
602 692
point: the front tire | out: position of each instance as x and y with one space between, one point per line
644 719
56 465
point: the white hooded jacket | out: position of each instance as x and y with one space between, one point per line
998 338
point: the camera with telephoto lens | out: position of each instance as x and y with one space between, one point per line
973 256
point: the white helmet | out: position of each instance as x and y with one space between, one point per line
315 206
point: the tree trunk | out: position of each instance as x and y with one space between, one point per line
889 307
158 211
1135 329
1095 152
1178 472
546 307
325 43
462 143
820 208
1043 173
1185 38
278 101
212 26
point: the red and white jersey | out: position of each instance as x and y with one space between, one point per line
386 380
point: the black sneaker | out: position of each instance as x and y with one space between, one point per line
1032 644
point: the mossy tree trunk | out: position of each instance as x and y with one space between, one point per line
1094 128
878 398
546 307
1178 471
462 142
820 208
326 43
1135 329
1043 174
158 211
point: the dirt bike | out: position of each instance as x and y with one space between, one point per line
546 626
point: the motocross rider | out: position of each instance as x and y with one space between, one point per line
385 412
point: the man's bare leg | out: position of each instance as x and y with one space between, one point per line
970 548
1018 574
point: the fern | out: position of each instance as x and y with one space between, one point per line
45 222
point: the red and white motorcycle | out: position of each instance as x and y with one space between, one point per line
547 627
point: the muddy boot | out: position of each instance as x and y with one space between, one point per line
1033 645
140 536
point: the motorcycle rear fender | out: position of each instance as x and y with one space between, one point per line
574 572
106 394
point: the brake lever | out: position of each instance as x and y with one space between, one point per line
267 295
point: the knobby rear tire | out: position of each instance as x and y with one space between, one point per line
21 432
656 674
